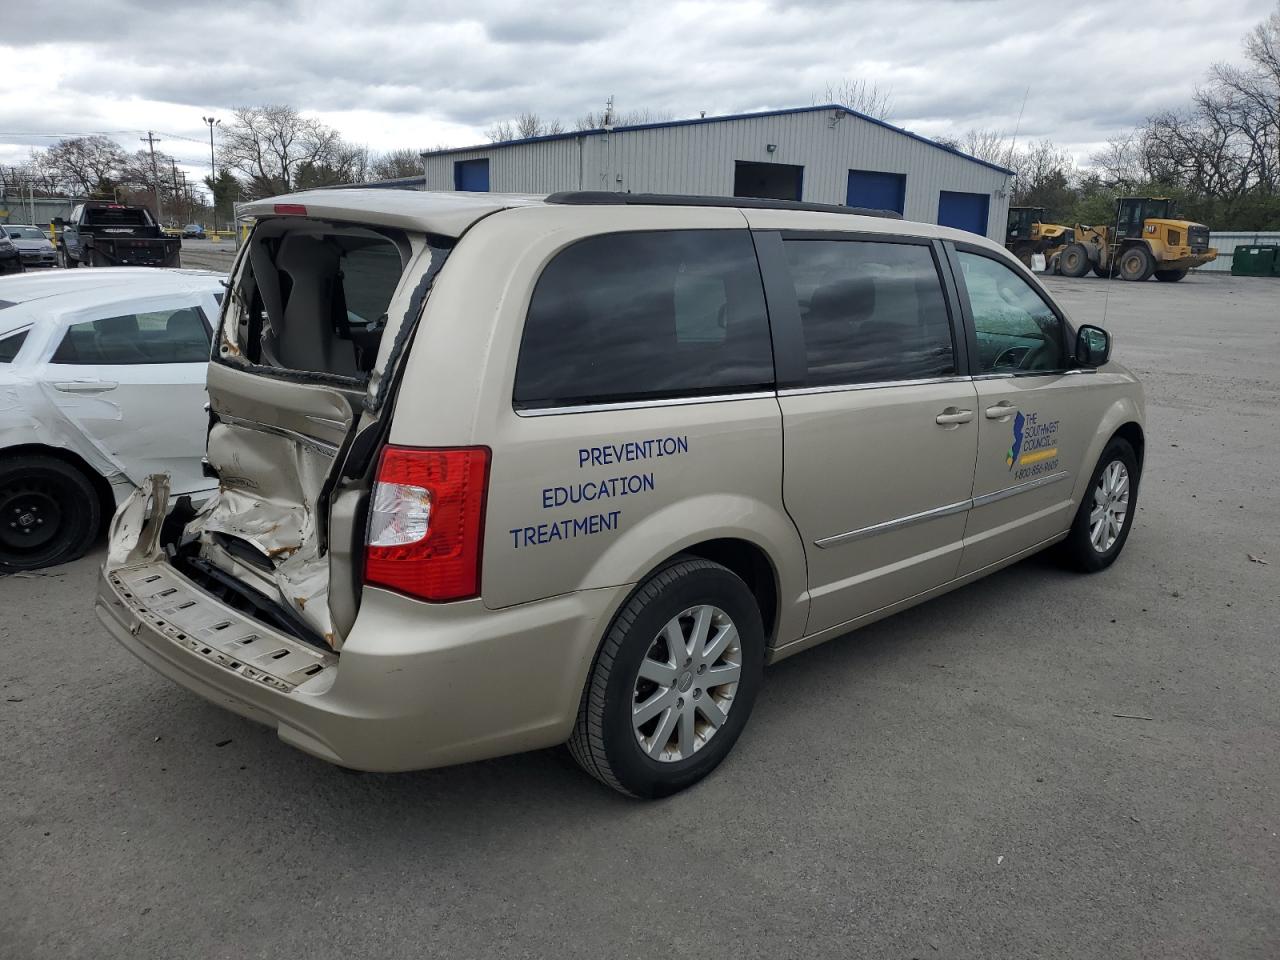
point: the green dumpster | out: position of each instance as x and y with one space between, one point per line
1256 260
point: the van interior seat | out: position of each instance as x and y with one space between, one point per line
304 339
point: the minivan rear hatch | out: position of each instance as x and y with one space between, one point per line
318 315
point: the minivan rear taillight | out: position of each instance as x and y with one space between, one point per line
426 521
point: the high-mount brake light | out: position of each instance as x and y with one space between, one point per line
290 209
426 522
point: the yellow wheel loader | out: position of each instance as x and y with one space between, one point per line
1028 234
1145 238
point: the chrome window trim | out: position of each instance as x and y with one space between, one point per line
321 446
643 404
938 512
875 385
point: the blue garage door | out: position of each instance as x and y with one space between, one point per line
964 211
471 175
877 190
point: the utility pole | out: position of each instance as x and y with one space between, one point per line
177 191
213 169
151 140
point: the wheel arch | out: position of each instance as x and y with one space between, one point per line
1132 432
100 484
1122 418
751 563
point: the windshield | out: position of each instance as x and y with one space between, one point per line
24 233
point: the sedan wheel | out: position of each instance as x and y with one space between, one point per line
49 513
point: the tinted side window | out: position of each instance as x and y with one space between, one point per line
870 311
1016 329
635 316
164 336
10 345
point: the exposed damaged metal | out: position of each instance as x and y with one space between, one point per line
300 375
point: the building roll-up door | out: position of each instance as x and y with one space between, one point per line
877 190
471 175
964 211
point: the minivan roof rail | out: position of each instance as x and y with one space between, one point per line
608 198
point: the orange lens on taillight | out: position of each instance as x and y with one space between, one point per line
426 522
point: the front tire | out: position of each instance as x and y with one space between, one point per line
49 513
1105 515
1074 261
1136 264
673 683
1170 276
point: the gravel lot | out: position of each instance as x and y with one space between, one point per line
953 782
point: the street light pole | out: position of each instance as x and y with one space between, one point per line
213 169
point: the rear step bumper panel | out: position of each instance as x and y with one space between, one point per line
416 685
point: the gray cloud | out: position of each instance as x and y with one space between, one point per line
947 65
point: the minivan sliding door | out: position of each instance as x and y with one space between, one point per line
879 437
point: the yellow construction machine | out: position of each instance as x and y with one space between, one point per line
1027 234
1145 238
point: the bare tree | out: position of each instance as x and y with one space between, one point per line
983 143
610 117
858 95
275 150
86 164
396 164
527 124
1045 174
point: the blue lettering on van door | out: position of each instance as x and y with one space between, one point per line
565 529
591 491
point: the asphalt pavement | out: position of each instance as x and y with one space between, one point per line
1043 764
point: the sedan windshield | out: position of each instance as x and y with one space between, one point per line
24 233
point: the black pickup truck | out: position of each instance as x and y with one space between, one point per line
102 234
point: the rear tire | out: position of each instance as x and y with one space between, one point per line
49 512
1170 276
1136 264
1074 261
1098 533
685 654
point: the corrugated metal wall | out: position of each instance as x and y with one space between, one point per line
1226 243
699 158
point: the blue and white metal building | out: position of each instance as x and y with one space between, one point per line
824 154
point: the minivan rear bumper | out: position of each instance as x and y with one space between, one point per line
416 685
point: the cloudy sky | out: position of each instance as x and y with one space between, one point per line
390 73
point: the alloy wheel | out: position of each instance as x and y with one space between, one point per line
1110 506
686 684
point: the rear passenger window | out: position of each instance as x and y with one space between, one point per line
870 311
649 315
163 336
10 345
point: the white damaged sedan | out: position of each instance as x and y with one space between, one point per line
102 383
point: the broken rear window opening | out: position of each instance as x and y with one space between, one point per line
312 297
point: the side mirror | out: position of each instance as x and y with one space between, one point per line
1093 346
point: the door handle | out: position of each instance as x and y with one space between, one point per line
953 417
1001 411
85 386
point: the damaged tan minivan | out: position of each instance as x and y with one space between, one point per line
497 473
